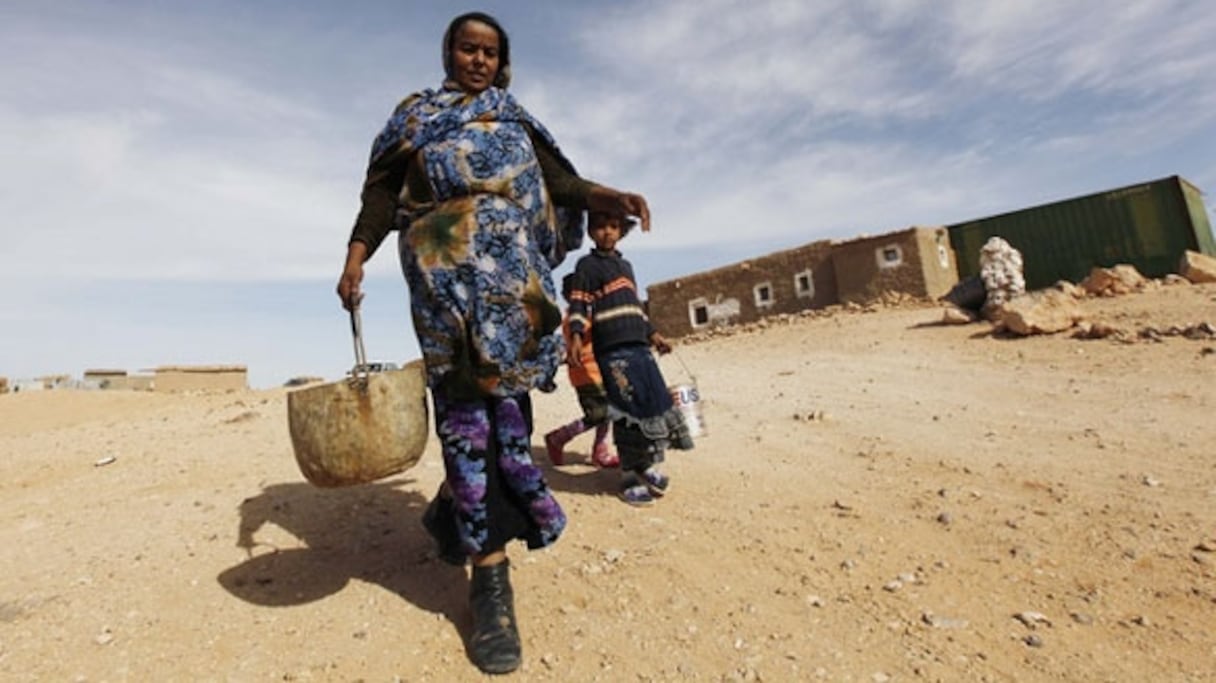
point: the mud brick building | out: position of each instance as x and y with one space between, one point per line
917 261
782 282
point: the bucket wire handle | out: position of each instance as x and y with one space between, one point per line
684 365
360 372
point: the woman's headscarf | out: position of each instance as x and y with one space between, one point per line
502 79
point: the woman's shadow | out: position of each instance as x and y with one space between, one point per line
369 532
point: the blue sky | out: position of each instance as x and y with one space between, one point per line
178 179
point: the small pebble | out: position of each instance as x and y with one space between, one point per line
1032 619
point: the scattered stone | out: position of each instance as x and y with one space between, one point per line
1203 330
1081 618
945 519
1033 640
1122 279
1207 545
1139 620
1149 481
811 416
942 622
893 585
1032 619
814 601
1043 312
1066 287
243 417
1197 267
102 462
1099 330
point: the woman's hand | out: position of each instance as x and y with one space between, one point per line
604 198
352 276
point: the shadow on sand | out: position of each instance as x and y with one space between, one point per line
371 532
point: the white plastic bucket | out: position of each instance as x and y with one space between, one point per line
688 401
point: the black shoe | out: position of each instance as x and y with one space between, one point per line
440 522
494 645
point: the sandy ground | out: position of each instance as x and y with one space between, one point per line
878 498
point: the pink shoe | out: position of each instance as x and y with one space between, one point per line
603 457
557 455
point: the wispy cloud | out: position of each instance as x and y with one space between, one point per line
222 145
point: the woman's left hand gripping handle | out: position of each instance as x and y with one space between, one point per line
352 276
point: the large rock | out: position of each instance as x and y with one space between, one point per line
1197 267
1122 279
1043 312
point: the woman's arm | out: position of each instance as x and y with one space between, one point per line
567 189
377 213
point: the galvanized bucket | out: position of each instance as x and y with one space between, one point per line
366 427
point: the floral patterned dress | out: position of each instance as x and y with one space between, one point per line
477 254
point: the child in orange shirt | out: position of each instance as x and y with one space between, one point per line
589 385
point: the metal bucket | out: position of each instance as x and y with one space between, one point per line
688 401
366 427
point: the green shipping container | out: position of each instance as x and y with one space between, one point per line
1148 225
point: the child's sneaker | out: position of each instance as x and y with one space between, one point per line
656 481
603 457
555 445
634 492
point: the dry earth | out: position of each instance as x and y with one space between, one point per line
878 498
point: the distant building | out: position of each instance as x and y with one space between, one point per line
917 261
3 385
23 385
781 282
118 379
172 378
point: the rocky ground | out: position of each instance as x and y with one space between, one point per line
879 497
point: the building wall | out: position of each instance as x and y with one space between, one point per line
916 261
118 380
782 282
200 378
938 261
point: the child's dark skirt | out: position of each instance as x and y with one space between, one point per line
646 421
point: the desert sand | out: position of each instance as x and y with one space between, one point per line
877 498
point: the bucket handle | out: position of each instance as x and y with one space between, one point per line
684 365
360 372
